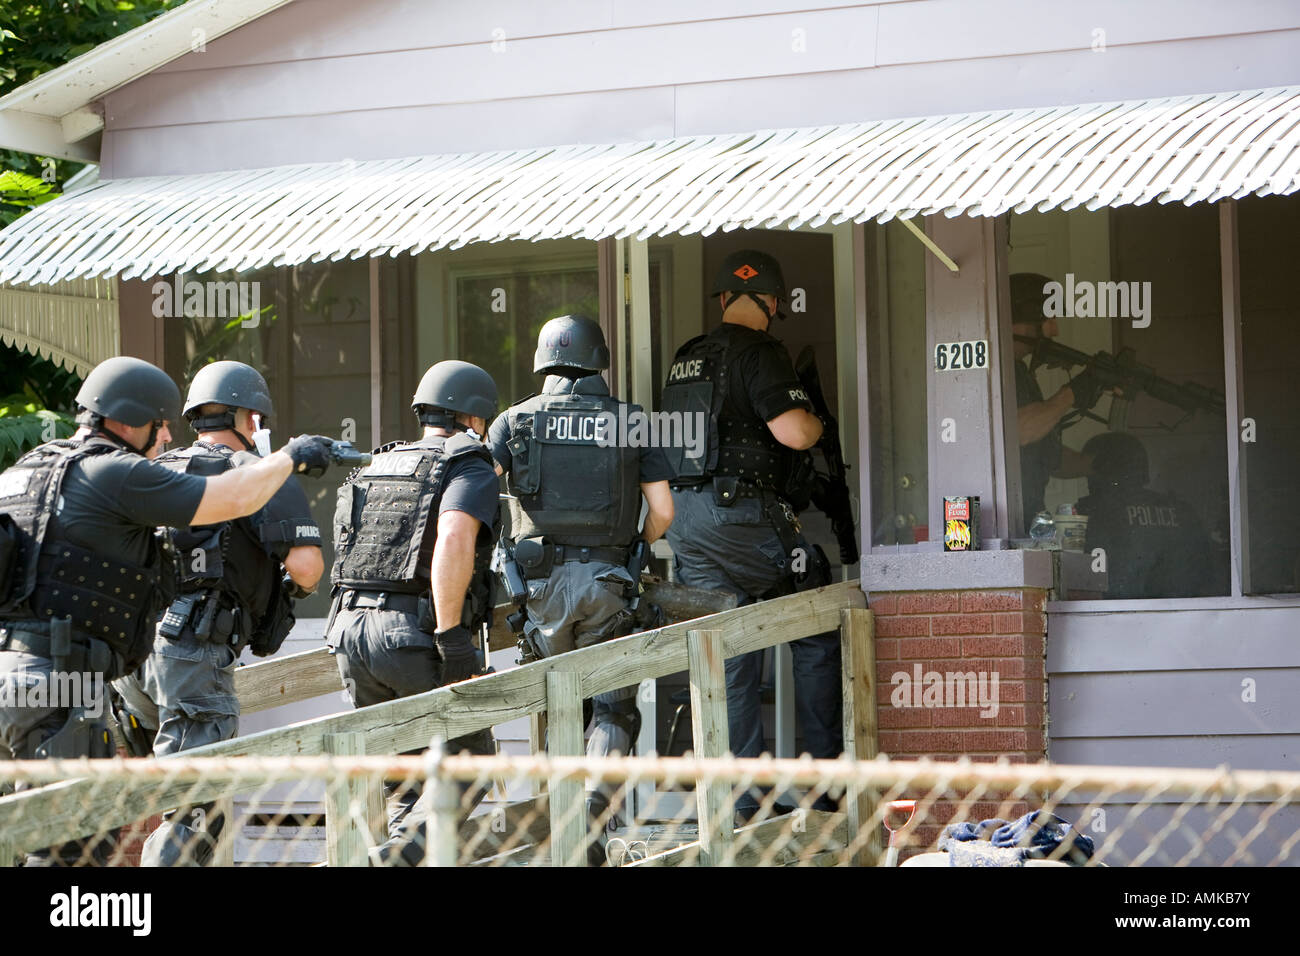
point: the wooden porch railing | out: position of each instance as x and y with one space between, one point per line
554 687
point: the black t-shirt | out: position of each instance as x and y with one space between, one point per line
763 383
110 504
1038 460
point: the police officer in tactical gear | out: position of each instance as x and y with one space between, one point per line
737 499
232 593
1155 544
86 575
413 536
1042 453
575 503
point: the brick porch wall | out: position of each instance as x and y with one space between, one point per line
998 631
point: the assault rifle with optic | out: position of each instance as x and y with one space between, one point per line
1127 376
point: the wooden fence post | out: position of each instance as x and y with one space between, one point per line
715 800
345 841
568 809
537 745
223 851
858 651
442 828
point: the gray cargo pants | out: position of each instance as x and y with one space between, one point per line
736 549
27 722
577 606
184 692
383 655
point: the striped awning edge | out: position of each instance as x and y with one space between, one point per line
1187 149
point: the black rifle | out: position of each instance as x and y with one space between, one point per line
1122 371
830 492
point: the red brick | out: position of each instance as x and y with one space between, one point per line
958 717
1034 742
995 741
891 742
1003 646
886 649
930 741
917 648
962 624
1033 645
994 758
1020 622
902 626
992 600
883 604
903 717
929 602
1007 668
1010 715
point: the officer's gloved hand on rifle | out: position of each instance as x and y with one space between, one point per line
460 661
311 454
1086 387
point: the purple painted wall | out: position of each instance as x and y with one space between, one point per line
323 80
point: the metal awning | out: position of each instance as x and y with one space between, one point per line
1179 149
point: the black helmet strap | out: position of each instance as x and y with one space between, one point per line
220 422
95 422
736 294
432 417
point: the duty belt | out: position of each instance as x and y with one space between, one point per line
25 638
742 489
576 552
382 600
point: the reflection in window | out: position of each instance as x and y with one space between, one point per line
499 314
1117 324
1267 229
897 369
307 331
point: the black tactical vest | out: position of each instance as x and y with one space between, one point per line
385 511
739 442
229 557
572 478
51 577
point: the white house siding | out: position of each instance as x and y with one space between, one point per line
322 80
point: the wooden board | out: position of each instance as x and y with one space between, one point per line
287 680
800 834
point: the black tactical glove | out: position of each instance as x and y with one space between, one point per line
1086 389
459 659
311 454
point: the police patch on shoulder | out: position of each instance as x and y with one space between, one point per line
14 482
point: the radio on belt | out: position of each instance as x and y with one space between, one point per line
961 523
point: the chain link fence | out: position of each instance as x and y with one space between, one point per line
302 811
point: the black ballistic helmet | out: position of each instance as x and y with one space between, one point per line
1117 459
453 386
130 391
232 384
749 270
571 341
1027 298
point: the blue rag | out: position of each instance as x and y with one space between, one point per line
1034 836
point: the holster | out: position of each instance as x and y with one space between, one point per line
275 625
78 737
535 557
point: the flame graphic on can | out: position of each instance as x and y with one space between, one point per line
957 533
